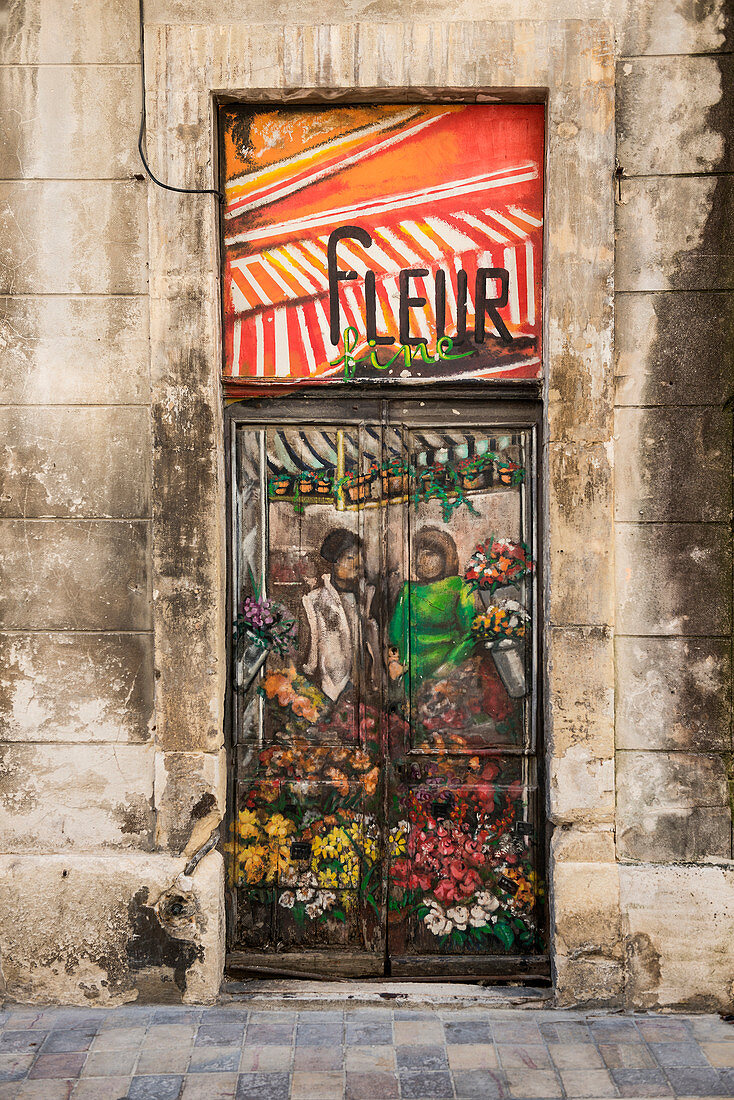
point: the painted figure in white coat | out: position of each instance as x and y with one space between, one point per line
339 613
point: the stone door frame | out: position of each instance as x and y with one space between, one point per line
569 66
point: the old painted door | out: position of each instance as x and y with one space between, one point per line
383 783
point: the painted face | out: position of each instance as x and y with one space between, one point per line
347 567
429 566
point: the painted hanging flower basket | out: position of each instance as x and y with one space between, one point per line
501 629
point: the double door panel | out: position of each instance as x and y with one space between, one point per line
384 784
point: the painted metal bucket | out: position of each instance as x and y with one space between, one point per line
510 664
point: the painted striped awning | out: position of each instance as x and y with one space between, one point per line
279 295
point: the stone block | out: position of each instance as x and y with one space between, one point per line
76 797
668 348
76 687
578 842
85 121
586 916
190 798
581 688
95 929
674 115
673 693
679 924
580 531
60 350
580 787
672 464
676 233
588 981
74 574
69 32
75 462
73 237
672 806
673 578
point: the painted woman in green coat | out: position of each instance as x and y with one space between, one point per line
433 616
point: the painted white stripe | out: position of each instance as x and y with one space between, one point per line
523 216
354 308
312 248
392 289
270 269
300 256
518 230
252 282
485 259
421 238
412 259
453 237
419 315
375 252
469 289
239 206
383 329
240 303
511 265
452 306
348 253
281 255
282 351
530 279
469 186
306 340
330 352
260 346
236 345
493 235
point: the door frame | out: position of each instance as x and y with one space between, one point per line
513 405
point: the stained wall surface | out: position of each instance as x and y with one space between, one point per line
99 811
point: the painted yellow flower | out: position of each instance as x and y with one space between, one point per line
253 861
279 826
248 824
328 879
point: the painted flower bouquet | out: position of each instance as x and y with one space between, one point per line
497 563
501 629
262 626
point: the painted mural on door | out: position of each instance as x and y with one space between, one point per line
382 242
385 795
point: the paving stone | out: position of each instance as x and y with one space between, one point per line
532 1055
367 1059
641 1082
111 1063
664 1031
471 1056
21 1041
315 1035
101 1088
57 1042
158 1086
174 1015
414 1032
164 1060
533 1082
276 1033
119 1038
45 1090
128 1016
57 1065
224 1059
516 1031
168 1035
420 1085
575 1055
210 1086
480 1083
312 1085
469 1031
613 1030
566 1033
372 1086
318 1058
263 1086
587 1082
696 1081
627 1056
257 1058
369 1033
678 1054
13 1067
421 1058
216 1035
719 1054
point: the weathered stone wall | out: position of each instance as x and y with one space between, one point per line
110 775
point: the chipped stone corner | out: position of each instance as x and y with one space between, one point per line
111 929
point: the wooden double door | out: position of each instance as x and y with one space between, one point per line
384 793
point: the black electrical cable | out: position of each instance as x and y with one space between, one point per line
141 135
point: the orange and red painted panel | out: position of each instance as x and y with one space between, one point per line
398 242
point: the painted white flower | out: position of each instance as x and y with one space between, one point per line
477 916
327 898
459 916
437 924
314 909
304 893
487 901
289 875
287 899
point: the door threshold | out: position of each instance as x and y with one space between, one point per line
299 993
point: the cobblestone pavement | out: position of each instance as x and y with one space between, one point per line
380 1053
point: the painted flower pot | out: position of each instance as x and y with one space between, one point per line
506 473
394 485
358 489
305 485
478 480
281 486
509 660
323 487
